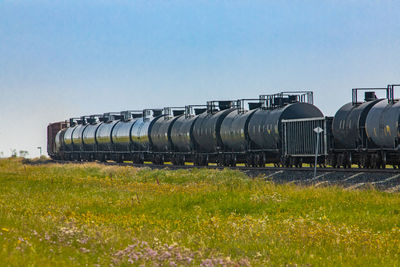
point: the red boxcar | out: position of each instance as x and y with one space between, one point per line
52 131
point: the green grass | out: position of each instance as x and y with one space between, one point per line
87 214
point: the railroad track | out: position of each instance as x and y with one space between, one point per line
353 178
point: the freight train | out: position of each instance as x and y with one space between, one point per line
271 129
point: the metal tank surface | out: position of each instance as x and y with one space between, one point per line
68 145
57 141
182 130
265 125
77 137
103 135
140 130
348 126
160 132
382 125
89 137
206 129
121 135
234 132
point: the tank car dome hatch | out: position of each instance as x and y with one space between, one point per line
182 129
198 111
160 132
255 105
370 96
348 126
264 126
206 129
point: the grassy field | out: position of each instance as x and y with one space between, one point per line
91 214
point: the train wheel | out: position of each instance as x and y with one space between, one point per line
383 157
261 163
226 160
220 160
233 161
204 161
249 160
334 161
299 163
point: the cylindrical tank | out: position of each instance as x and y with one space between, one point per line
382 124
68 138
121 135
89 137
206 131
103 135
140 133
160 134
77 137
348 126
234 132
57 141
182 133
265 129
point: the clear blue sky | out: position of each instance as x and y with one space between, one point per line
60 59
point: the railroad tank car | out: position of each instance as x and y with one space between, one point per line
382 124
77 143
68 143
103 136
59 142
140 130
160 132
122 132
182 130
206 129
264 127
89 136
382 128
348 126
234 130
121 135
206 132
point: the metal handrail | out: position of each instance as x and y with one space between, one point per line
354 98
286 97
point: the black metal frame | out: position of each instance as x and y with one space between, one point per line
354 98
131 114
168 112
189 112
390 92
214 105
240 103
279 100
